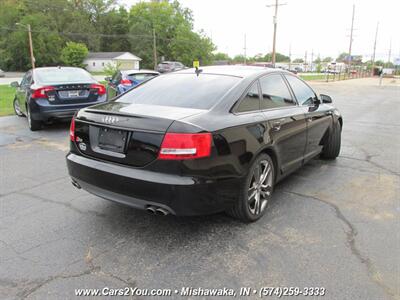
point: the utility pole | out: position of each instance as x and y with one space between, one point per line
305 61
244 48
390 52
275 21
312 59
290 57
31 45
154 49
351 38
373 55
28 27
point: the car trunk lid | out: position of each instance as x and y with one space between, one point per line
129 134
72 93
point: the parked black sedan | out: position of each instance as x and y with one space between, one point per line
45 94
191 143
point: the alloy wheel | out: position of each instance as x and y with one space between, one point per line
260 188
17 108
29 117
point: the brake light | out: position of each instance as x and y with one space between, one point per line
185 146
125 82
101 89
72 130
41 92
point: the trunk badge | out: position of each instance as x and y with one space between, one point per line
82 146
110 119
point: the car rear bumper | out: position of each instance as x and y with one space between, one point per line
140 188
42 110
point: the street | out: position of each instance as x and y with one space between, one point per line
331 224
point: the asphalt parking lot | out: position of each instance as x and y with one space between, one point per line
332 224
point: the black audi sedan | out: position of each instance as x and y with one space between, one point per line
50 93
202 141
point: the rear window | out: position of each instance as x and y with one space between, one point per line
181 90
140 77
62 75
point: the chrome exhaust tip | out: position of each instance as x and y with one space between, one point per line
151 210
161 211
75 184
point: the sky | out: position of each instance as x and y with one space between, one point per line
320 27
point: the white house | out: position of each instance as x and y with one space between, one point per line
96 61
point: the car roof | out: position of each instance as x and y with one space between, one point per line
238 71
142 71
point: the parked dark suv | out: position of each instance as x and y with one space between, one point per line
170 66
45 94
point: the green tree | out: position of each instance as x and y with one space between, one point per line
317 60
298 60
173 28
342 57
238 59
221 56
73 54
327 59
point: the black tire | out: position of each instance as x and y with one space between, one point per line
331 147
34 125
17 109
243 210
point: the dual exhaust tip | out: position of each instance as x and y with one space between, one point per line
154 210
159 211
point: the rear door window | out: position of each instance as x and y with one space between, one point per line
304 94
182 90
251 102
275 92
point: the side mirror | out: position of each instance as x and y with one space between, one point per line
14 84
325 98
107 79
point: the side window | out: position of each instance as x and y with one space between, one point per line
304 94
116 78
251 101
26 81
275 92
23 81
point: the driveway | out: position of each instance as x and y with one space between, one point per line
332 224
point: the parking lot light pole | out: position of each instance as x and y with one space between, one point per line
28 27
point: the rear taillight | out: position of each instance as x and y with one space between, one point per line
41 92
72 130
185 146
101 89
125 82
